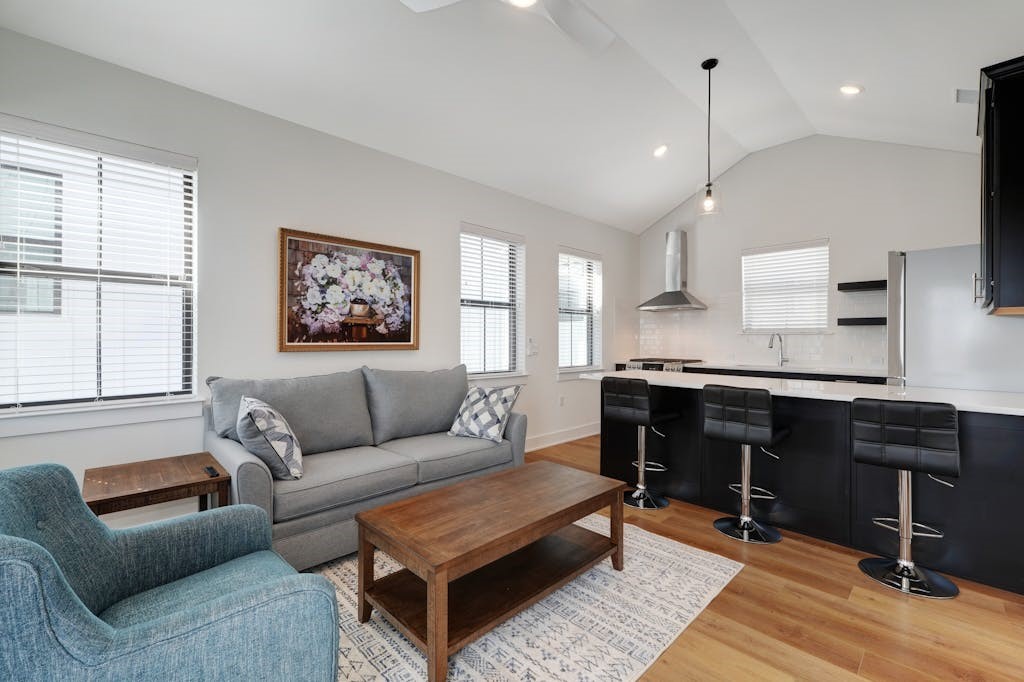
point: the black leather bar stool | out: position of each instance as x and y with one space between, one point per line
629 401
910 437
744 416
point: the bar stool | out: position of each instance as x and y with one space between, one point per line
744 416
629 401
910 437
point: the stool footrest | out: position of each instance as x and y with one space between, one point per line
756 493
892 524
651 466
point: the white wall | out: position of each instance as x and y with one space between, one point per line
867 197
257 173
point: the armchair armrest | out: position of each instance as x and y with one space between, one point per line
515 433
158 553
251 482
286 628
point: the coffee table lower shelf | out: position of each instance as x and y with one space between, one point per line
480 600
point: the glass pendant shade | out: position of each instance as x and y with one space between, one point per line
709 199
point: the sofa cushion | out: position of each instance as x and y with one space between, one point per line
326 412
413 403
198 588
340 477
265 433
485 412
443 456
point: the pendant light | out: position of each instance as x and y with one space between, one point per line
710 199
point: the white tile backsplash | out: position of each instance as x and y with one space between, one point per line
714 335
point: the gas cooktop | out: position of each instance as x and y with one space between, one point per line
666 360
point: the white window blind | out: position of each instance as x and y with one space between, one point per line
579 311
492 303
96 275
785 288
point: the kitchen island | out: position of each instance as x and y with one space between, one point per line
821 492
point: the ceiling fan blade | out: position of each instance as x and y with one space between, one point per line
580 24
427 5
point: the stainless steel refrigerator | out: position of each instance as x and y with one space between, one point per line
938 335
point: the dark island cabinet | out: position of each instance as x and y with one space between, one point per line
1001 127
984 539
679 450
810 479
821 492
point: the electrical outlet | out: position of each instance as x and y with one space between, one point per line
561 401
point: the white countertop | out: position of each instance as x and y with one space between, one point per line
791 369
993 402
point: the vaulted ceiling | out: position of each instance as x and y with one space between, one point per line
501 96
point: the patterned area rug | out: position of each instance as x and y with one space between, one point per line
604 625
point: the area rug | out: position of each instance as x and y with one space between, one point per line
605 625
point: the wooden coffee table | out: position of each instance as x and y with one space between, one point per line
482 550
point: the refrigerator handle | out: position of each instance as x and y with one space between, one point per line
975 281
896 319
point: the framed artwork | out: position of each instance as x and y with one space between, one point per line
342 294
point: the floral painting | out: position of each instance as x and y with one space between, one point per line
341 294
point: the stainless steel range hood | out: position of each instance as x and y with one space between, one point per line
675 297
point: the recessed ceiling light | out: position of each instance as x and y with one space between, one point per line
660 151
522 4
850 89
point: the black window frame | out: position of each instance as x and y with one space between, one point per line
56 243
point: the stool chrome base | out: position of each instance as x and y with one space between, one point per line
908 578
747 530
644 499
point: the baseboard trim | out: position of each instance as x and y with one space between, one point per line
565 435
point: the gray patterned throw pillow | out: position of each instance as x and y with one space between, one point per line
265 433
484 412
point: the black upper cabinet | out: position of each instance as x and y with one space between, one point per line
1001 127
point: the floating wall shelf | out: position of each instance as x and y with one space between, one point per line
867 285
861 321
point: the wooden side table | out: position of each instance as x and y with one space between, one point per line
138 484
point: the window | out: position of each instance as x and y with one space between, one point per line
492 302
579 311
96 274
785 288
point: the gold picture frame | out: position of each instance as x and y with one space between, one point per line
344 294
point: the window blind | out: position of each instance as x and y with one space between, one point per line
579 311
786 288
96 275
492 303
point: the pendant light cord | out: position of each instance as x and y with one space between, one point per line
709 126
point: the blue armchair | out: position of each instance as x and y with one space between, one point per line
198 597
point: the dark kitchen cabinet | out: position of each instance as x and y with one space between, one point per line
1001 128
983 539
811 478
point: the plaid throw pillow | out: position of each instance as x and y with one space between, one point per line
484 412
265 433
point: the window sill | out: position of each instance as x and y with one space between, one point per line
791 332
574 373
28 421
496 376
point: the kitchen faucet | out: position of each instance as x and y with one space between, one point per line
771 344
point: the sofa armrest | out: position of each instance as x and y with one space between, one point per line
158 553
515 433
251 482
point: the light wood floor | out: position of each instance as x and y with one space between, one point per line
801 609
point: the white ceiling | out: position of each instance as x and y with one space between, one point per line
500 96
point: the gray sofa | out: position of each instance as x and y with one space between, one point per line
368 437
